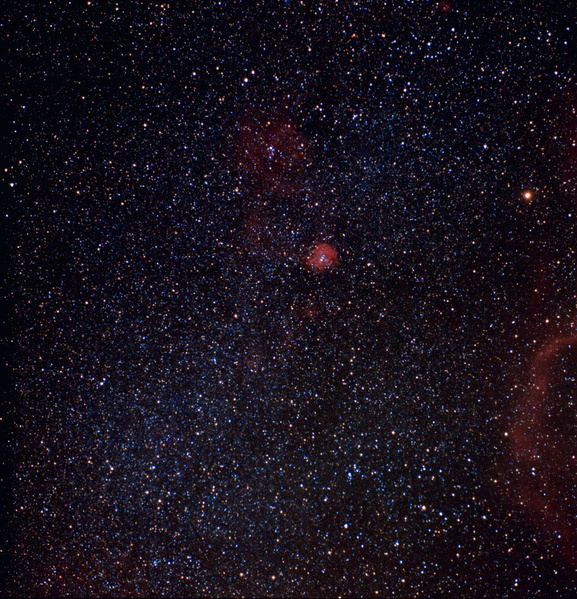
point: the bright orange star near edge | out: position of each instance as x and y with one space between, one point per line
527 195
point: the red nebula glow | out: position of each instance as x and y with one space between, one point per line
322 257
310 309
268 147
283 212
544 449
444 6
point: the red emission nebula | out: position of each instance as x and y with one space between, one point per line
542 430
322 257
542 439
275 161
270 149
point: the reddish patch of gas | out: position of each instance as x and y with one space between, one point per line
322 257
543 454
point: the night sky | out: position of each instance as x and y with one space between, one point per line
292 292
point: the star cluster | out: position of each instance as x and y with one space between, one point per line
293 290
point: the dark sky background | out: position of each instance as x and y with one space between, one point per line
292 291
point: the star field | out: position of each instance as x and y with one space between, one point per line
293 298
